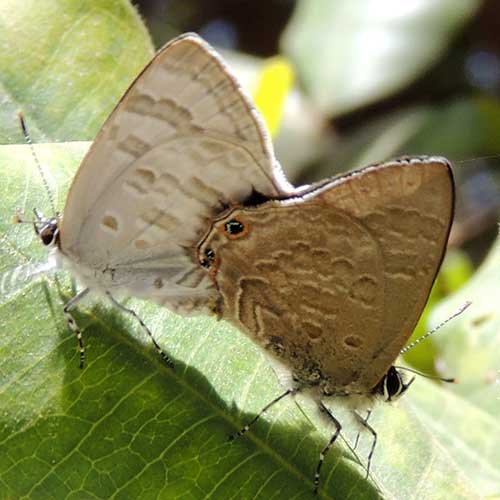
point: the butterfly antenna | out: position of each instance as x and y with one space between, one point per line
28 140
477 158
434 330
425 375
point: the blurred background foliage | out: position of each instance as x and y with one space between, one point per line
341 83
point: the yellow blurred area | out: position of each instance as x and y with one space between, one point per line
275 82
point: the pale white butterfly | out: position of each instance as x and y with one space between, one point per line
180 200
183 143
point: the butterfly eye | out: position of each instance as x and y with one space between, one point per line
48 233
392 385
47 236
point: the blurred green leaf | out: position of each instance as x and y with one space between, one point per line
349 54
470 351
460 129
470 345
455 271
65 64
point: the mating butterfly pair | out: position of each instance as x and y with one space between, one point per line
180 200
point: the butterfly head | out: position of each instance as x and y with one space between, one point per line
47 229
392 386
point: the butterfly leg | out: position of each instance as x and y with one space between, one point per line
356 442
72 322
132 313
330 443
371 430
244 429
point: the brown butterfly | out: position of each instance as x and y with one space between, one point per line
331 282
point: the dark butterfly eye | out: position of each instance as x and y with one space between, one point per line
392 385
234 227
47 235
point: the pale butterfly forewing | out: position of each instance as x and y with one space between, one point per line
183 142
333 282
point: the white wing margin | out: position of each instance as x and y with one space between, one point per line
183 142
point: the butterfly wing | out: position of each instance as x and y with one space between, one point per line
183 142
333 282
407 207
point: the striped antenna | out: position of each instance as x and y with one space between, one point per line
27 138
450 380
434 330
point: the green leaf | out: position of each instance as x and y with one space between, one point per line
127 426
349 54
455 270
470 348
470 351
459 129
65 64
